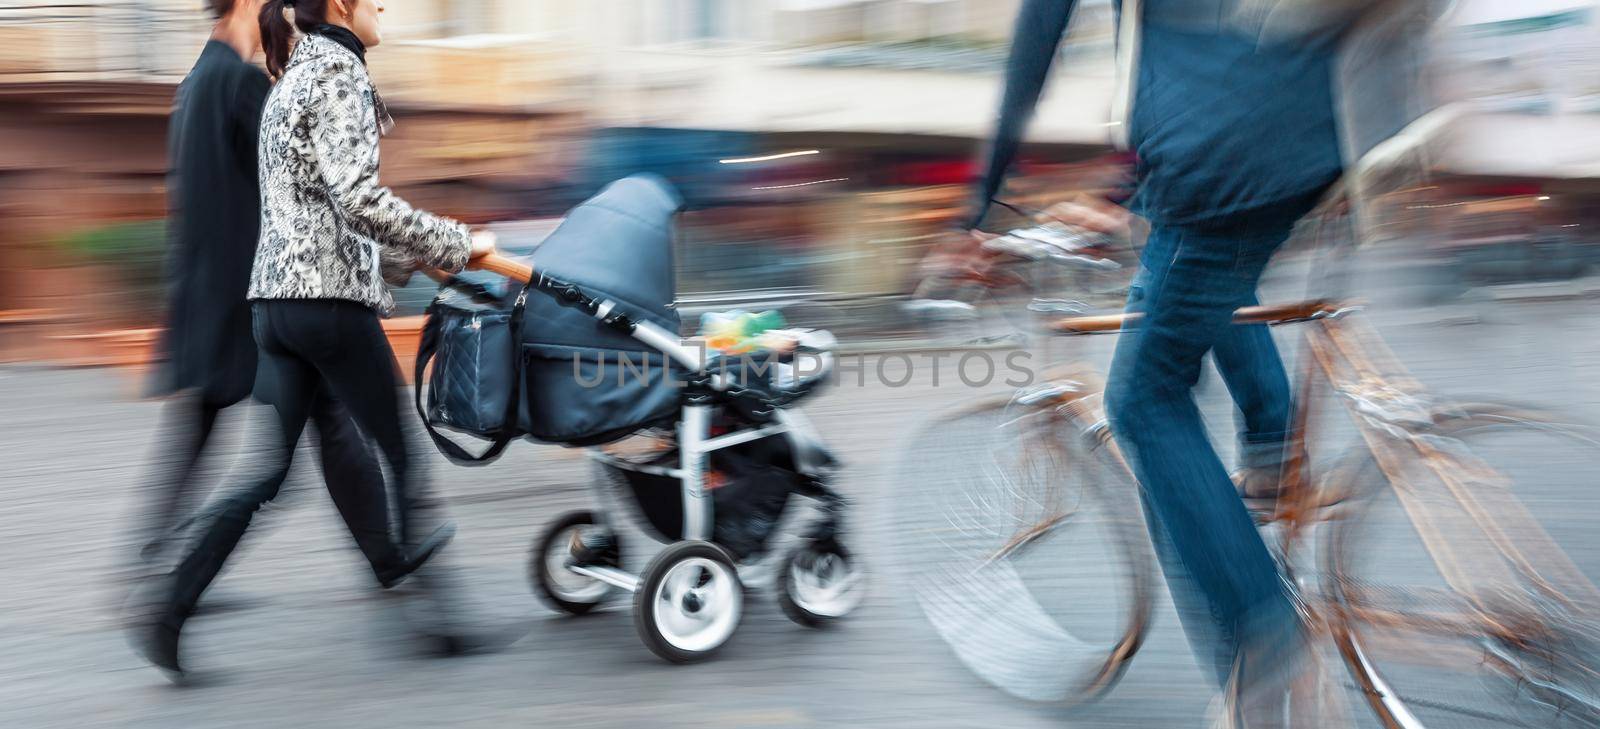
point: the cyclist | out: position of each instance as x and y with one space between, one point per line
1235 140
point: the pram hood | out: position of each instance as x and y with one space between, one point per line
616 245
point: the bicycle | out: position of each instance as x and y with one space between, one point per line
1036 479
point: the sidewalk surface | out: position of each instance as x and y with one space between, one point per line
309 642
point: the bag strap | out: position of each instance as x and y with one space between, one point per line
429 346
479 293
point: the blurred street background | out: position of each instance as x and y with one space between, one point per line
511 111
823 146
518 109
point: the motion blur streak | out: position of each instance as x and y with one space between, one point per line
768 157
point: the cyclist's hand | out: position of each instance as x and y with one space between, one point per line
1092 211
956 253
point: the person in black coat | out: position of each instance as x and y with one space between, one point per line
219 218
215 215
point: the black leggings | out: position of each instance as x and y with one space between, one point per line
311 350
350 468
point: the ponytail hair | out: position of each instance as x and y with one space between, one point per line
278 31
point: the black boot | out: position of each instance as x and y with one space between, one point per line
417 556
158 643
153 626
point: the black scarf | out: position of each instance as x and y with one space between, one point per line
343 37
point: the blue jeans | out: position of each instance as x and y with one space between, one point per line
1224 582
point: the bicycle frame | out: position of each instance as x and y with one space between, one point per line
1440 485
1443 489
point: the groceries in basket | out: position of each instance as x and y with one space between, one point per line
739 331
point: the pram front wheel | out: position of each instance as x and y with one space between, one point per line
689 601
820 583
559 587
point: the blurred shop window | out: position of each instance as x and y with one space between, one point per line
99 40
671 22
746 248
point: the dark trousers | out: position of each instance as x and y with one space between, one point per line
312 351
349 466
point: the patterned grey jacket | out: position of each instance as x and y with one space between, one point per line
328 229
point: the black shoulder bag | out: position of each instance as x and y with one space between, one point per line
476 383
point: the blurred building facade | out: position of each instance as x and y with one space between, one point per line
1514 168
503 107
892 95
85 89
518 108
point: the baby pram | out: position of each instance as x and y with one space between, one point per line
726 454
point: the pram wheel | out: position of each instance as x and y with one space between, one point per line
689 601
558 586
820 582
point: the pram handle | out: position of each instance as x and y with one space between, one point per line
496 263
604 310
491 262
567 294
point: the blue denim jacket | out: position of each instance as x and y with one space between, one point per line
1221 122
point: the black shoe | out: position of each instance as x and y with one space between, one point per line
418 556
147 625
157 642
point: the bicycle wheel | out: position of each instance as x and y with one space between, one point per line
1026 554
1475 638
